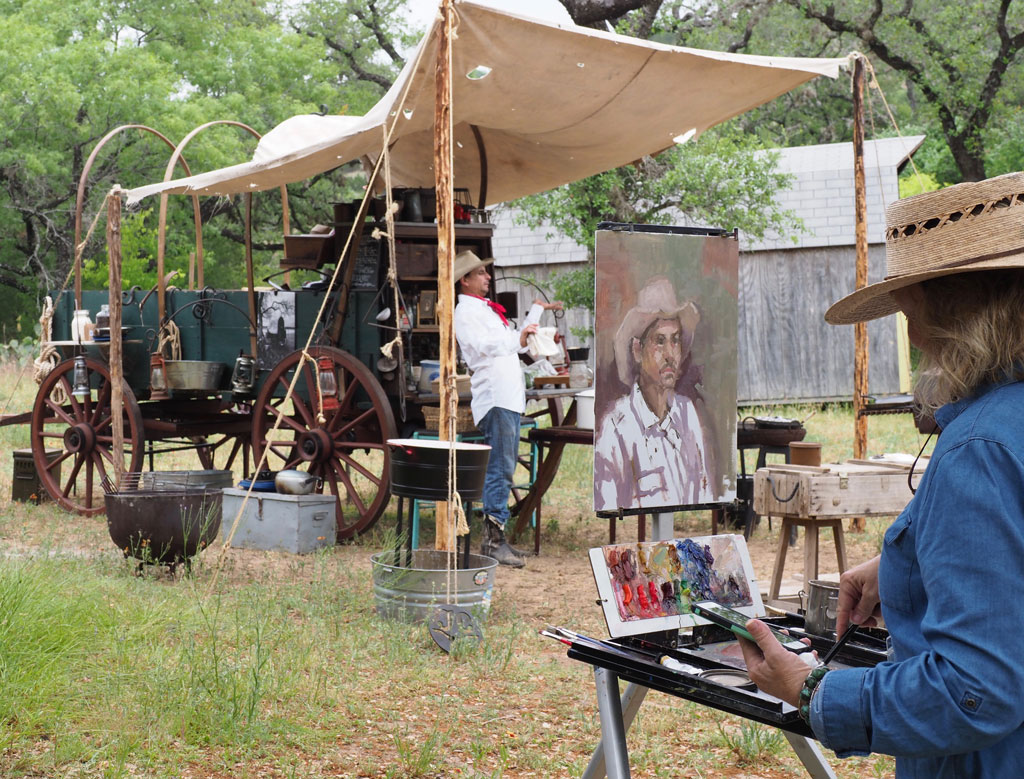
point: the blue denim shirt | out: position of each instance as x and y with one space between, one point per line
951 581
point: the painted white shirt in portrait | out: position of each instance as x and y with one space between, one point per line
641 461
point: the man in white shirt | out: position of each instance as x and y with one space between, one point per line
650 450
491 347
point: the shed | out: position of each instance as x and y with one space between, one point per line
787 352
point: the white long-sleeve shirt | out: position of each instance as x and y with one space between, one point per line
491 351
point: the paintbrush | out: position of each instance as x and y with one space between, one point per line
831 653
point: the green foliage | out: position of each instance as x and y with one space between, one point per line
725 178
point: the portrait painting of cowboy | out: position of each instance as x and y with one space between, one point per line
658 442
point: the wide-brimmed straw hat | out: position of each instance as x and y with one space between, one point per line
657 300
467 262
975 226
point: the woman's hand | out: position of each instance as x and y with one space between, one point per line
773 668
858 597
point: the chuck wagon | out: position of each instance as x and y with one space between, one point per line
209 369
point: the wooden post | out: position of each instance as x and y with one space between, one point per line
860 330
249 273
114 297
444 538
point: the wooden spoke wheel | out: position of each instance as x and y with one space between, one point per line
220 452
341 440
80 428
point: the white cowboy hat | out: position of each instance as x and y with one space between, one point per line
657 300
467 262
975 226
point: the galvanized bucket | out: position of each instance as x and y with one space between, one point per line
410 593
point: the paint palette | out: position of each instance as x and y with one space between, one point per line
649 586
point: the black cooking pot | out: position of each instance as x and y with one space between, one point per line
163 526
419 468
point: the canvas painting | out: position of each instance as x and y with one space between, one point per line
650 586
276 327
665 391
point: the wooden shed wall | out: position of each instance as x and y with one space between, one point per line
786 349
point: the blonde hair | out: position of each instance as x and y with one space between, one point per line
973 324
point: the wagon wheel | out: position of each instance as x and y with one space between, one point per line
221 451
81 429
347 450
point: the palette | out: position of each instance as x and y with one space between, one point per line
648 586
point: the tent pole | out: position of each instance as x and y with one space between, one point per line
860 331
444 537
114 296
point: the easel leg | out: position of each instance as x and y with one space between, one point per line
780 561
629 705
614 757
810 755
810 552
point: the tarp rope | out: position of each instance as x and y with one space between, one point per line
396 114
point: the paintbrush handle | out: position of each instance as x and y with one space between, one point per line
830 655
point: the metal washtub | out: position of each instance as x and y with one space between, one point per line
193 375
411 592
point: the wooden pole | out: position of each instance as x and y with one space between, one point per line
114 299
444 536
860 330
249 273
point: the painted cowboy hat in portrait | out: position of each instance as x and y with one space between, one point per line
965 228
657 300
651 447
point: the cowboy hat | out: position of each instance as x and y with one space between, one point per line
657 300
467 262
975 226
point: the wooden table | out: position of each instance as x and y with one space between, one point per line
816 497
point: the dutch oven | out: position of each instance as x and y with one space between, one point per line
419 468
163 526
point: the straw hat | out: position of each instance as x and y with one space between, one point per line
974 226
657 300
467 262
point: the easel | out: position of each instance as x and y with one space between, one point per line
611 756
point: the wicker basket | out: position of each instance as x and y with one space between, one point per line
463 419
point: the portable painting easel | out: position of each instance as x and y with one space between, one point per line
639 644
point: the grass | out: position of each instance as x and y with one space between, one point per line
284 670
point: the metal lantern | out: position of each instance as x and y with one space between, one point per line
328 384
81 379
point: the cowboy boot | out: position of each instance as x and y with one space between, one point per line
494 545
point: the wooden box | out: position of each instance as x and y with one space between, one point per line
856 488
463 419
310 250
415 259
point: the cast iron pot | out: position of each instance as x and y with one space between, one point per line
163 526
419 468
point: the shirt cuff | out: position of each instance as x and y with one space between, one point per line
836 713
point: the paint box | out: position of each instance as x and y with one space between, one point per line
299 524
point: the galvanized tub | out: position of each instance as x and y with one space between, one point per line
193 375
204 479
410 593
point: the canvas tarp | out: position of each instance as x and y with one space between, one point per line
560 103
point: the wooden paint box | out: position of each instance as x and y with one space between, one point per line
855 488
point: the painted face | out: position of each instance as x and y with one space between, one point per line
659 352
476 282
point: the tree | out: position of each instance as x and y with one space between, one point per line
952 69
725 178
75 69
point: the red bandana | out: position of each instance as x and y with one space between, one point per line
497 308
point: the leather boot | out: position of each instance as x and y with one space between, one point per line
494 545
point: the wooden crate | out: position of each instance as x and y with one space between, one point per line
463 419
856 488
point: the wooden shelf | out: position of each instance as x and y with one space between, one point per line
418 278
434 329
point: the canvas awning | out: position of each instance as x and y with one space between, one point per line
558 103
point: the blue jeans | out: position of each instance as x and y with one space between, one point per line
501 432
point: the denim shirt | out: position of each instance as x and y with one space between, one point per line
951 582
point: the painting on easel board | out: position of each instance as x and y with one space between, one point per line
649 586
666 335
